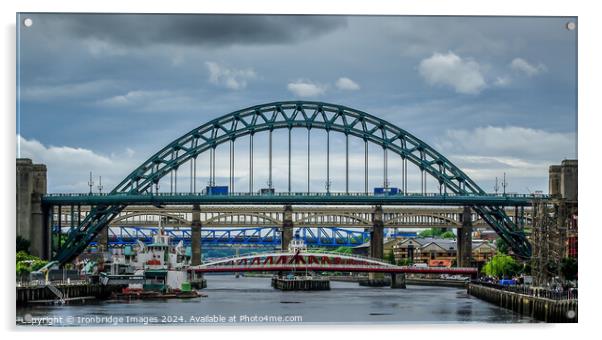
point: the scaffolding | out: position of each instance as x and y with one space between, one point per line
553 238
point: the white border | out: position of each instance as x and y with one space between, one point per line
589 141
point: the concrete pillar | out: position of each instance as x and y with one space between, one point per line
398 280
195 243
31 185
377 233
287 227
464 241
376 239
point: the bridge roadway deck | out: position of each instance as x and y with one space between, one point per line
292 198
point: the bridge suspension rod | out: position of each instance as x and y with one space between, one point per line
346 163
385 169
404 175
191 175
308 159
251 163
171 177
231 165
270 160
289 160
327 161
366 166
175 181
212 165
423 181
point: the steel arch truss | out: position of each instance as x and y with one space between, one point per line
289 115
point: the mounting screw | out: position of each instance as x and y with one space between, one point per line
571 25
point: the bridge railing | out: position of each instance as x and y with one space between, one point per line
308 252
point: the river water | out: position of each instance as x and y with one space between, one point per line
251 300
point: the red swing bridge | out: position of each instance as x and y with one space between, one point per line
287 261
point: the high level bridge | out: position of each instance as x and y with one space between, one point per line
302 216
425 178
324 226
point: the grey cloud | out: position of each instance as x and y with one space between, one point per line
197 29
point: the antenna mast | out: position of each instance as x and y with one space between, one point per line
504 183
100 184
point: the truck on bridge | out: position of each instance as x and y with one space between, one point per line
216 190
386 191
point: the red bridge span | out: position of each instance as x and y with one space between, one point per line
319 262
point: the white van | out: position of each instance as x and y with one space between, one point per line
420 265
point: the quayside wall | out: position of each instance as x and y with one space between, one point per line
31 294
543 309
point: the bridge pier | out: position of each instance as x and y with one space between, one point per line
31 185
195 234
197 280
464 240
286 231
376 239
398 280
377 233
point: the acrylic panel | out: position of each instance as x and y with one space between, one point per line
202 169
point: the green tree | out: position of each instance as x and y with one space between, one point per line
448 234
23 269
502 266
568 268
501 245
24 256
23 244
37 264
432 232
404 262
426 233
390 256
27 263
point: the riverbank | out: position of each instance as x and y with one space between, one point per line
42 294
543 309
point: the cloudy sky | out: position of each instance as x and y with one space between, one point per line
102 93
